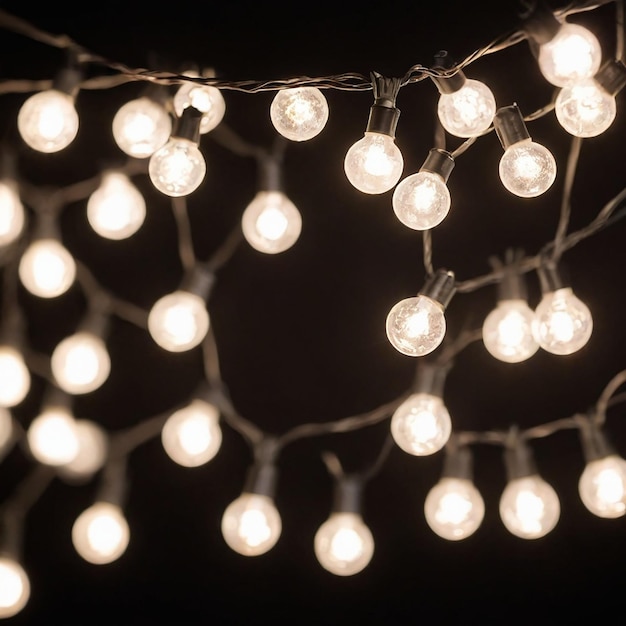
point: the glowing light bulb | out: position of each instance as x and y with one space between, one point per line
53 438
14 587
12 216
141 126
602 486
299 113
6 429
584 109
469 111
92 450
206 98
101 534
14 377
191 436
177 168
251 524
343 544
47 269
527 169
178 321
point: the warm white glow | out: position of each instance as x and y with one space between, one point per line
53 438
47 268
14 377
299 113
251 524
92 450
602 486
454 508
177 168
101 534
421 425
12 215
191 436
421 200
343 544
14 587
178 321
468 111
527 169
205 98
48 121
374 164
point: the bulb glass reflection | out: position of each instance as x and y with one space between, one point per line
299 113
53 438
527 169
602 486
12 216
421 201
206 98
585 109
468 111
14 587
47 268
14 377
177 168
101 534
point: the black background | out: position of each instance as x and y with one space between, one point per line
301 334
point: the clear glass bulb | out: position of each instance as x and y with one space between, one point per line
529 507
192 436
374 164
468 111
271 223
14 587
12 216
563 323
178 321
177 168
6 429
141 126
585 109
573 54
421 200
53 438
421 425
14 377
47 268
343 544
116 210
454 508
92 450
602 486
100 533
251 524
416 326
207 99
48 121
299 113
80 363
508 331
527 169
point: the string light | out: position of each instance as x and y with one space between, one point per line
206 99
299 113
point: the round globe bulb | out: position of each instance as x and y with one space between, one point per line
299 113
374 164
14 587
585 109
207 99
527 169
47 269
53 438
6 429
177 168
602 486
343 544
92 451
12 216
421 201
100 533
469 111
14 377
251 524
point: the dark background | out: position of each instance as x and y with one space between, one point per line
301 334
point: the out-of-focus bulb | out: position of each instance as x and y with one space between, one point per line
177 168
343 544
191 436
14 377
12 215
92 450
47 268
100 533
116 210
141 126
602 486
6 428
47 121
14 587
178 321
527 169
271 223
53 438
206 98
251 524
299 113
468 111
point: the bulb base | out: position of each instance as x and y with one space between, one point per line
383 120
430 378
440 286
612 77
518 459
263 475
447 84
348 494
439 162
458 462
187 126
510 126
67 81
270 174
199 281
540 24
594 442
550 278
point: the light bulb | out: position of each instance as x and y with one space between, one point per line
251 524
529 507
47 121
47 269
271 223
178 321
527 169
141 126
299 113
6 429
12 216
80 363
584 109
421 425
507 331
14 377
92 450
116 210
177 168
100 533
469 111
454 508
602 486
206 98
191 436
343 544
14 587
53 438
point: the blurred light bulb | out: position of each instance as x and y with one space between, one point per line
177 168
251 524
207 99
47 269
178 321
602 486
53 438
454 508
343 544
100 533
527 169
14 587
14 377
468 111
299 113
6 428
529 507
92 450
191 436
271 223
12 216
141 126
